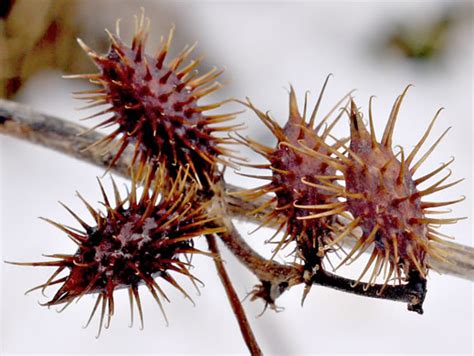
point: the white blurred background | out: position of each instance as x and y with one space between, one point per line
264 47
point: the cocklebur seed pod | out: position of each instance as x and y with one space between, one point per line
140 240
387 204
299 163
154 105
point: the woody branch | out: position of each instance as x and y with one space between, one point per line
21 122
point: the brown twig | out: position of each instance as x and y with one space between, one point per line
461 257
20 121
275 276
234 300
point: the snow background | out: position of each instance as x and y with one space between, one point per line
264 47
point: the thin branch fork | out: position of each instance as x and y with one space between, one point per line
19 121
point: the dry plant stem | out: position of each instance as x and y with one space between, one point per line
262 268
286 276
412 294
234 300
19 121
461 257
22 122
